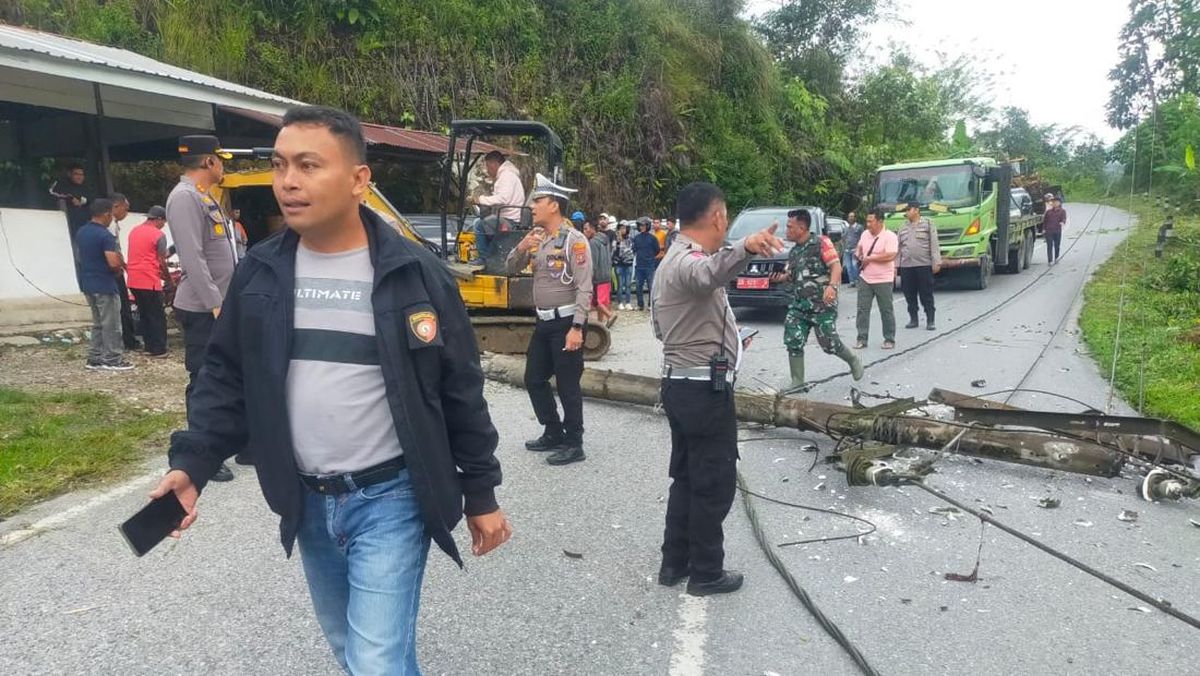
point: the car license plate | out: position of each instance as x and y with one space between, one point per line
754 282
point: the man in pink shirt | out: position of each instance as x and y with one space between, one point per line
876 252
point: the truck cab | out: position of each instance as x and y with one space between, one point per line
969 202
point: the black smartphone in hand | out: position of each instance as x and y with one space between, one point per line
152 523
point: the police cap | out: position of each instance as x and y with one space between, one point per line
202 144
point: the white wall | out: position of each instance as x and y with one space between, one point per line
35 242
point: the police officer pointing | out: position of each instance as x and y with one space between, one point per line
204 240
562 294
701 353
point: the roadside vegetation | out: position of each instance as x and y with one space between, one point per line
647 95
1156 304
54 442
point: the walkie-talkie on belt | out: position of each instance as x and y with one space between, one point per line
718 365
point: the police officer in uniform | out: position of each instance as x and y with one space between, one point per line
701 353
814 273
562 293
204 240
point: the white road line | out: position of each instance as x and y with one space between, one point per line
688 657
65 516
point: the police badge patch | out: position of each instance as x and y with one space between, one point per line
580 249
424 325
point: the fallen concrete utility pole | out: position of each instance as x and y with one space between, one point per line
884 424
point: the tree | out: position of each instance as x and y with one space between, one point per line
811 39
1159 58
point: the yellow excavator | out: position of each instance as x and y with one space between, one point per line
500 305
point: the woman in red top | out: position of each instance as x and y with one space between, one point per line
144 272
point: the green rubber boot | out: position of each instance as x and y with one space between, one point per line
855 362
796 366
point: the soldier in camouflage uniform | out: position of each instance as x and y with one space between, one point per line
812 267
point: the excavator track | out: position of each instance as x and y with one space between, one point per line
511 334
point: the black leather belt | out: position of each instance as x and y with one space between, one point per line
336 484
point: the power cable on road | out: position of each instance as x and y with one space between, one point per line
1161 604
773 557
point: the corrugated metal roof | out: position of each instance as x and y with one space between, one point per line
57 47
378 134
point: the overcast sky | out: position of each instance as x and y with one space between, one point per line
1050 57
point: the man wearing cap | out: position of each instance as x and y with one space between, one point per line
147 272
1052 226
919 260
701 353
562 294
607 226
204 240
508 195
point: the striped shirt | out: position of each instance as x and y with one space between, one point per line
337 403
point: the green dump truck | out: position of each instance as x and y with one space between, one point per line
980 226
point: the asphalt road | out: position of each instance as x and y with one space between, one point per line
224 600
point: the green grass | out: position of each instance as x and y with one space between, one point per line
1158 360
51 443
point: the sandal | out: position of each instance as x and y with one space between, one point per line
887 344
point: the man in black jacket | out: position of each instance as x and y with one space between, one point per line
344 361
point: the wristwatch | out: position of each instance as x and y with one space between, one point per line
577 325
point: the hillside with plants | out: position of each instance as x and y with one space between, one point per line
647 94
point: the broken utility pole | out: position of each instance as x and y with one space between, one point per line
886 424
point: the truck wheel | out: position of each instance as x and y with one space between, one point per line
983 274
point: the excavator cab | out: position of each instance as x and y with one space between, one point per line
501 305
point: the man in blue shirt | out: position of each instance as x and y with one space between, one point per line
645 251
99 260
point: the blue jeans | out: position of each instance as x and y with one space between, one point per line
364 557
483 241
850 264
642 275
624 274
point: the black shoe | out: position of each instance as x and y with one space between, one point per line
223 474
569 452
243 459
931 326
549 441
912 324
669 576
730 581
134 346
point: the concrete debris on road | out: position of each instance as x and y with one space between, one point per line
1127 515
1049 503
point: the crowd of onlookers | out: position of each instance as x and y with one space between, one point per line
631 251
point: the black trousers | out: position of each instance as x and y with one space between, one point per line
703 470
1053 244
153 319
546 357
197 329
128 330
918 283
